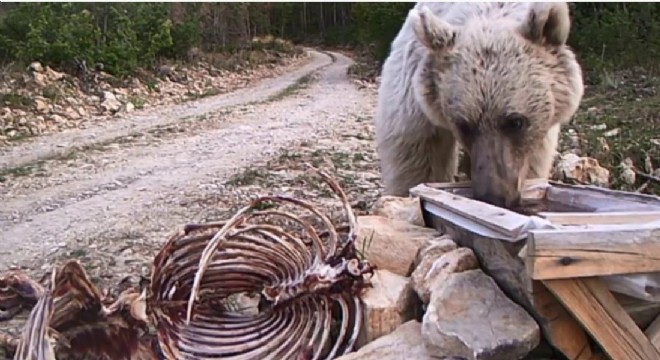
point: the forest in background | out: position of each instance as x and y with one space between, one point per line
126 36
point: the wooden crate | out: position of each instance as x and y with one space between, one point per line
553 263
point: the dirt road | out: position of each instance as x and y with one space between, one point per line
109 195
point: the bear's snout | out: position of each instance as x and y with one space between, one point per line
495 172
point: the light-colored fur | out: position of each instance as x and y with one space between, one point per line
475 62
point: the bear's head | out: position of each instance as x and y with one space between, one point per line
503 86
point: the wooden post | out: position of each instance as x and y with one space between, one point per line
559 327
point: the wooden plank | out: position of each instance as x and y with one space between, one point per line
503 221
605 218
568 253
653 333
600 199
560 328
593 305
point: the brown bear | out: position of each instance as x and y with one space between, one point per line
496 78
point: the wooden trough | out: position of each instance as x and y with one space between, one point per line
560 263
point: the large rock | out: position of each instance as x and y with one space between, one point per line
388 303
404 343
110 102
436 267
391 244
469 316
435 248
399 208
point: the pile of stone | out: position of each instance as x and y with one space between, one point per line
41 100
429 299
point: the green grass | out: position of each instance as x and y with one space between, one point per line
51 92
293 89
204 94
25 170
15 100
249 176
138 101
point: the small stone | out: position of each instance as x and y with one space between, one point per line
399 208
121 92
39 78
58 119
71 114
404 343
129 107
584 170
436 269
389 303
628 176
391 244
469 316
72 101
36 67
107 95
41 106
53 75
604 146
613 132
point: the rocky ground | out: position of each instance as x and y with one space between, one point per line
41 100
108 190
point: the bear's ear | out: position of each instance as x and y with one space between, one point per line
431 31
547 23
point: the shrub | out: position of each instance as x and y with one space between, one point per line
59 33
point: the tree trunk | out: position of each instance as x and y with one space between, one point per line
321 20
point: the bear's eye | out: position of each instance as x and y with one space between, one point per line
464 128
514 123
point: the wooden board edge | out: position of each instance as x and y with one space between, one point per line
607 192
464 207
571 253
604 218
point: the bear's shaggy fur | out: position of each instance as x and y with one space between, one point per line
496 78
